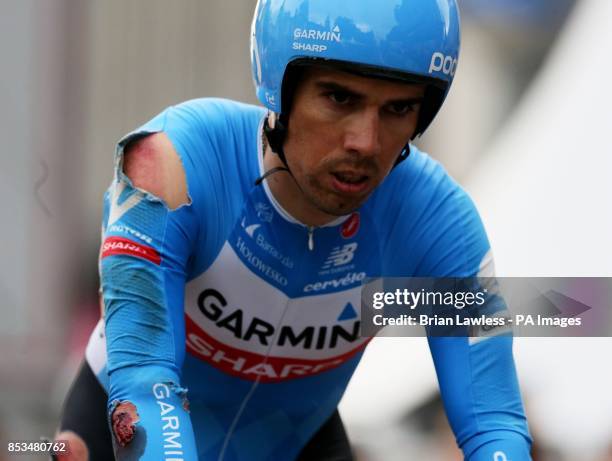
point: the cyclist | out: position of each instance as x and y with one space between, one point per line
235 241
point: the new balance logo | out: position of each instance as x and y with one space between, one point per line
340 256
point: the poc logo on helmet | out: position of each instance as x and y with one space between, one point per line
445 64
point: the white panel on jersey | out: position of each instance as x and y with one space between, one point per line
212 302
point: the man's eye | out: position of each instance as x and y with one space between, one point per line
401 108
339 97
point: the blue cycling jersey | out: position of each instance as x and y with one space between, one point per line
232 303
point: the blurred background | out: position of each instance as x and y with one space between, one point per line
526 129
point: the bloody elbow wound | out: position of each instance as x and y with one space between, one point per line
123 421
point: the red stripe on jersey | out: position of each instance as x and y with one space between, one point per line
252 366
122 246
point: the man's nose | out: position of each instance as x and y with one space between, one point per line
362 134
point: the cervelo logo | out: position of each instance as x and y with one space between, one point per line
441 63
346 281
340 255
122 246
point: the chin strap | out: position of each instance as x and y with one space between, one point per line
275 137
276 169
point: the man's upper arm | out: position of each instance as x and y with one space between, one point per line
153 165
149 231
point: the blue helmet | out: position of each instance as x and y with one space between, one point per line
410 40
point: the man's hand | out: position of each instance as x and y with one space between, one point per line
77 450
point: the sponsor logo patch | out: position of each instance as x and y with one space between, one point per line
350 227
318 35
348 313
262 243
340 255
122 246
315 40
264 212
348 280
253 366
442 63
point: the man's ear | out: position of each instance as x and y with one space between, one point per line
272 119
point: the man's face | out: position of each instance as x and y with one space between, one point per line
345 133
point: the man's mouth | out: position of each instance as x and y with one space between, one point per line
350 177
349 182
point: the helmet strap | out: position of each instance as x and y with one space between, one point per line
275 137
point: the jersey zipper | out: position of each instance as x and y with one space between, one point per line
311 237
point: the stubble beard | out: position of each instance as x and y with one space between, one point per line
322 198
326 201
